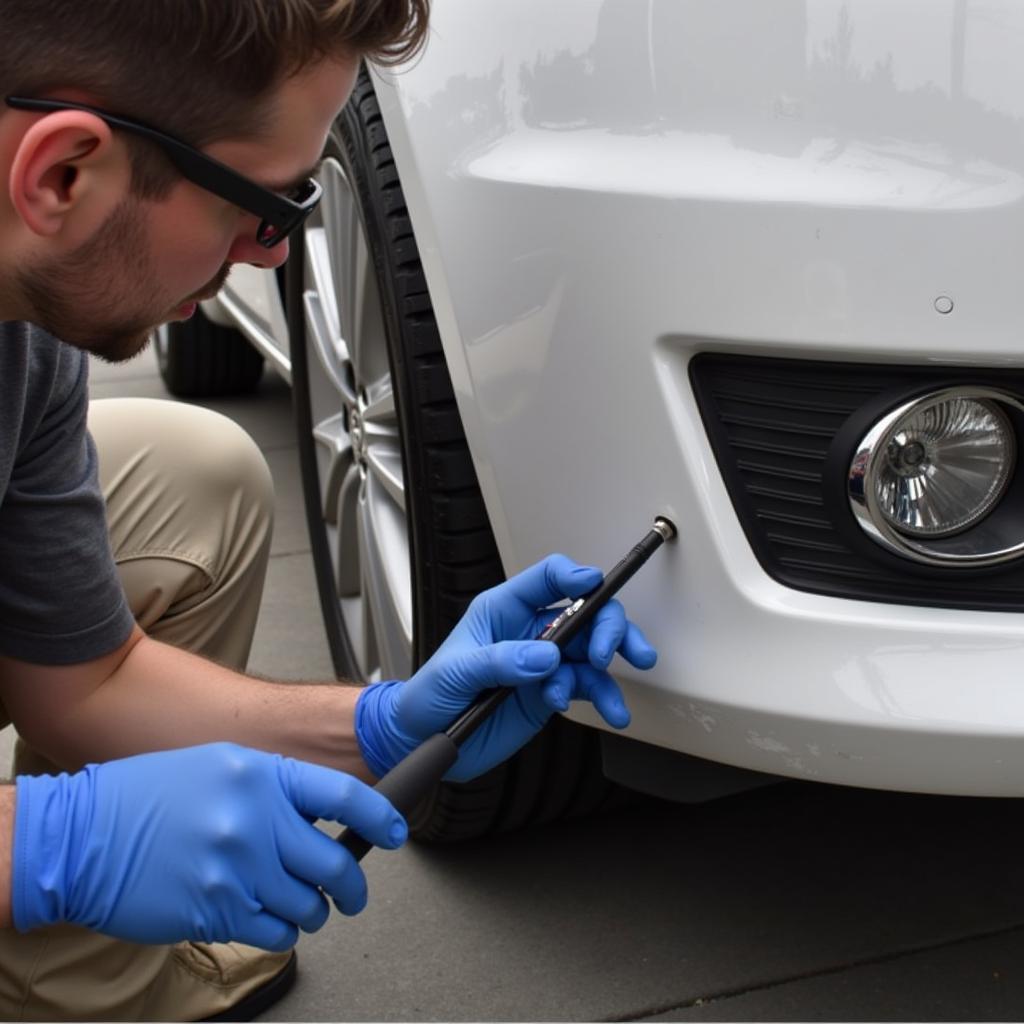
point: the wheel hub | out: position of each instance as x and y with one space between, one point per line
357 435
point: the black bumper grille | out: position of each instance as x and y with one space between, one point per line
783 432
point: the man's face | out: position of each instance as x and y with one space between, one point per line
154 261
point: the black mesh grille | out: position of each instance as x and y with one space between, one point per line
783 433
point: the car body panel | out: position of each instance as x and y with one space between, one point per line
602 189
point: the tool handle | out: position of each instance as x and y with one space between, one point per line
408 783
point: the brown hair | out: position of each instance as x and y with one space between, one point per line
199 69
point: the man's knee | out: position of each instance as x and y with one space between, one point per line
175 450
190 511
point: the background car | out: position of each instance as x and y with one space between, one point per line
753 266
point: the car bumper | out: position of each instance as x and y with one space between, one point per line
579 259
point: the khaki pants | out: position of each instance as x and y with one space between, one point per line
189 505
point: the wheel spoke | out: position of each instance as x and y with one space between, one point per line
322 325
341 221
383 449
354 291
384 460
346 564
357 626
384 556
380 404
350 270
335 459
367 342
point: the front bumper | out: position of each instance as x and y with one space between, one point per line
591 219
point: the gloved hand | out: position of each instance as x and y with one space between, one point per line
210 843
492 646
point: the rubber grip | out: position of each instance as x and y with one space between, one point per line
408 783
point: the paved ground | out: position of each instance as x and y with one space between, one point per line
799 902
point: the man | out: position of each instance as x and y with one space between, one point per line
113 220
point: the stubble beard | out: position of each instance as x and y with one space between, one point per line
103 297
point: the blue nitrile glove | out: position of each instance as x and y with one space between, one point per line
210 843
492 646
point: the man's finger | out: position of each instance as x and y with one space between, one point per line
550 580
320 792
558 689
606 634
310 855
603 692
508 663
266 931
298 902
635 648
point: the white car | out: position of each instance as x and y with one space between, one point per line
752 265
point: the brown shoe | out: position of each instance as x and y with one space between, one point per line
220 982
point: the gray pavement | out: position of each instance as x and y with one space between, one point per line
797 902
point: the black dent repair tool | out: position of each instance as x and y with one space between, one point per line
423 768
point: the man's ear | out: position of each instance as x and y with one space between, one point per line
68 174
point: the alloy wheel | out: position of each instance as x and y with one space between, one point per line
356 435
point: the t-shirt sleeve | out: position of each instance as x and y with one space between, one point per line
61 601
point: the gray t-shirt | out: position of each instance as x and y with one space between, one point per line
61 601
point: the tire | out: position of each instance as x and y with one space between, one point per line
201 359
373 398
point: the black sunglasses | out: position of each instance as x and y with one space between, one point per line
279 214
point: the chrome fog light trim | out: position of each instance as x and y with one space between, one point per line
927 481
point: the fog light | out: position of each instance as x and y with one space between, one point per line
932 471
944 466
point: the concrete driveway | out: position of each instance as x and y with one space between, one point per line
797 902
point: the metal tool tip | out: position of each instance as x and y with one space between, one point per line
665 527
